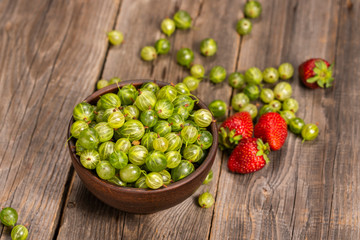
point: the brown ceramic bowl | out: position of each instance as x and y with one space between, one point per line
136 200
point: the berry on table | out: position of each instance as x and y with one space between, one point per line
115 37
244 26
286 71
208 47
168 26
206 200
252 9
148 53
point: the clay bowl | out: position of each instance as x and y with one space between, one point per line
135 200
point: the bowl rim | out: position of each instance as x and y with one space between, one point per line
111 88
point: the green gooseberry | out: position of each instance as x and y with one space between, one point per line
79 149
148 53
252 9
118 159
166 177
8 216
99 116
176 121
128 95
164 108
286 71
138 154
168 26
191 82
218 108
117 181
252 91
208 47
309 132
105 131
116 120
141 182
250 108
290 104
217 74
267 95
84 111
19 232
105 170
203 118
154 180
173 159
287 115
203 157
181 88
184 101
189 134
239 100
206 200
110 100
265 109
131 112
160 144
115 37
174 140
236 80
276 105
209 177
130 173
296 125
89 138
150 86
185 57
184 113
167 92
132 129
123 145
162 128
271 75
184 169
114 80
192 153
77 127
149 118
106 149
146 100
204 140
156 161
148 139
102 83
243 26
182 19
106 114
282 91
253 76
162 46
197 71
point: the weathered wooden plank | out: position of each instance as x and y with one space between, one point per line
51 53
342 105
290 197
187 220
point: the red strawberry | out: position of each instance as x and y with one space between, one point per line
249 156
315 73
272 129
233 129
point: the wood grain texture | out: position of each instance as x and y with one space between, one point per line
187 220
291 197
44 47
343 128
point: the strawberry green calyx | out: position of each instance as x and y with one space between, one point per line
264 150
227 138
323 74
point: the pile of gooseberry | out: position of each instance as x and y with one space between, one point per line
9 217
276 97
143 138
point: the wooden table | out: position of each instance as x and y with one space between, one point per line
52 52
